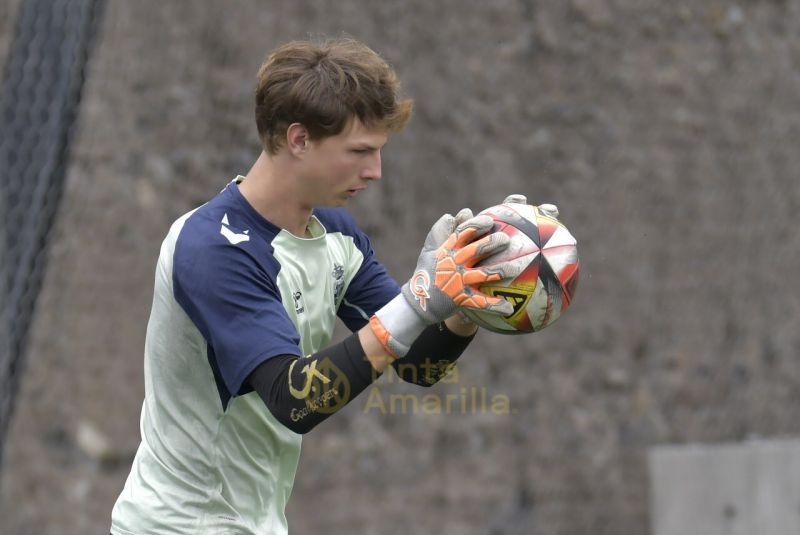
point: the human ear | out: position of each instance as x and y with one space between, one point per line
297 138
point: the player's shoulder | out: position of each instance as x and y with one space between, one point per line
221 231
227 219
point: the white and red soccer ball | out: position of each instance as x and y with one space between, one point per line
546 287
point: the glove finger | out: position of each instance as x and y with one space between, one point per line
549 210
498 306
440 231
515 198
495 272
472 253
463 215
472 229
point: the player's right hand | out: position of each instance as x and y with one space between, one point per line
444 278
446 271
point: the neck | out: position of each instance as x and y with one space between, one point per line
271 189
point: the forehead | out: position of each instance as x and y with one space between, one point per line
357 133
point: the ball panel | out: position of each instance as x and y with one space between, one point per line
539 308
560 257
530 275
547 227
526 211
559 237
520 244
523 323
511 216
569 280
551 287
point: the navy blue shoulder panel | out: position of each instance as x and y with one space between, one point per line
225 279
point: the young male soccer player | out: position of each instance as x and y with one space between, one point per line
238 362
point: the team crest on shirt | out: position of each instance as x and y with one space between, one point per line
338 281
299 307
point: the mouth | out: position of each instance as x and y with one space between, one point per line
352 192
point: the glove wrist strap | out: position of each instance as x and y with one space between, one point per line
397 325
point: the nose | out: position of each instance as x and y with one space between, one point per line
373 169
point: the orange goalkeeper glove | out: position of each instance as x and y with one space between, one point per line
445 280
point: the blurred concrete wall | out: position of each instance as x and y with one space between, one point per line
666 133
726 489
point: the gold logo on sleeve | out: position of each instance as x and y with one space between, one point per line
325 389
310 371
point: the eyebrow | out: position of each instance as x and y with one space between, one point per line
367 146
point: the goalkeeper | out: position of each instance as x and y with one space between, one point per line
238 362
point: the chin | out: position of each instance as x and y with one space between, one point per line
332 203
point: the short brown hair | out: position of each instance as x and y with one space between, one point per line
323 86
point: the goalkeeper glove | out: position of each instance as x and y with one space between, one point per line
444 278
547 209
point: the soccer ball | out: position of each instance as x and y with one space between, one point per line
545 288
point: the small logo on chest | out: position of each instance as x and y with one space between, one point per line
338 281
299 308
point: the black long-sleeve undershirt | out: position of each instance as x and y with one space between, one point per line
431 356
301 392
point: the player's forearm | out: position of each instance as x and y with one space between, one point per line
380 359
301 392
373 349
458 324
433 353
